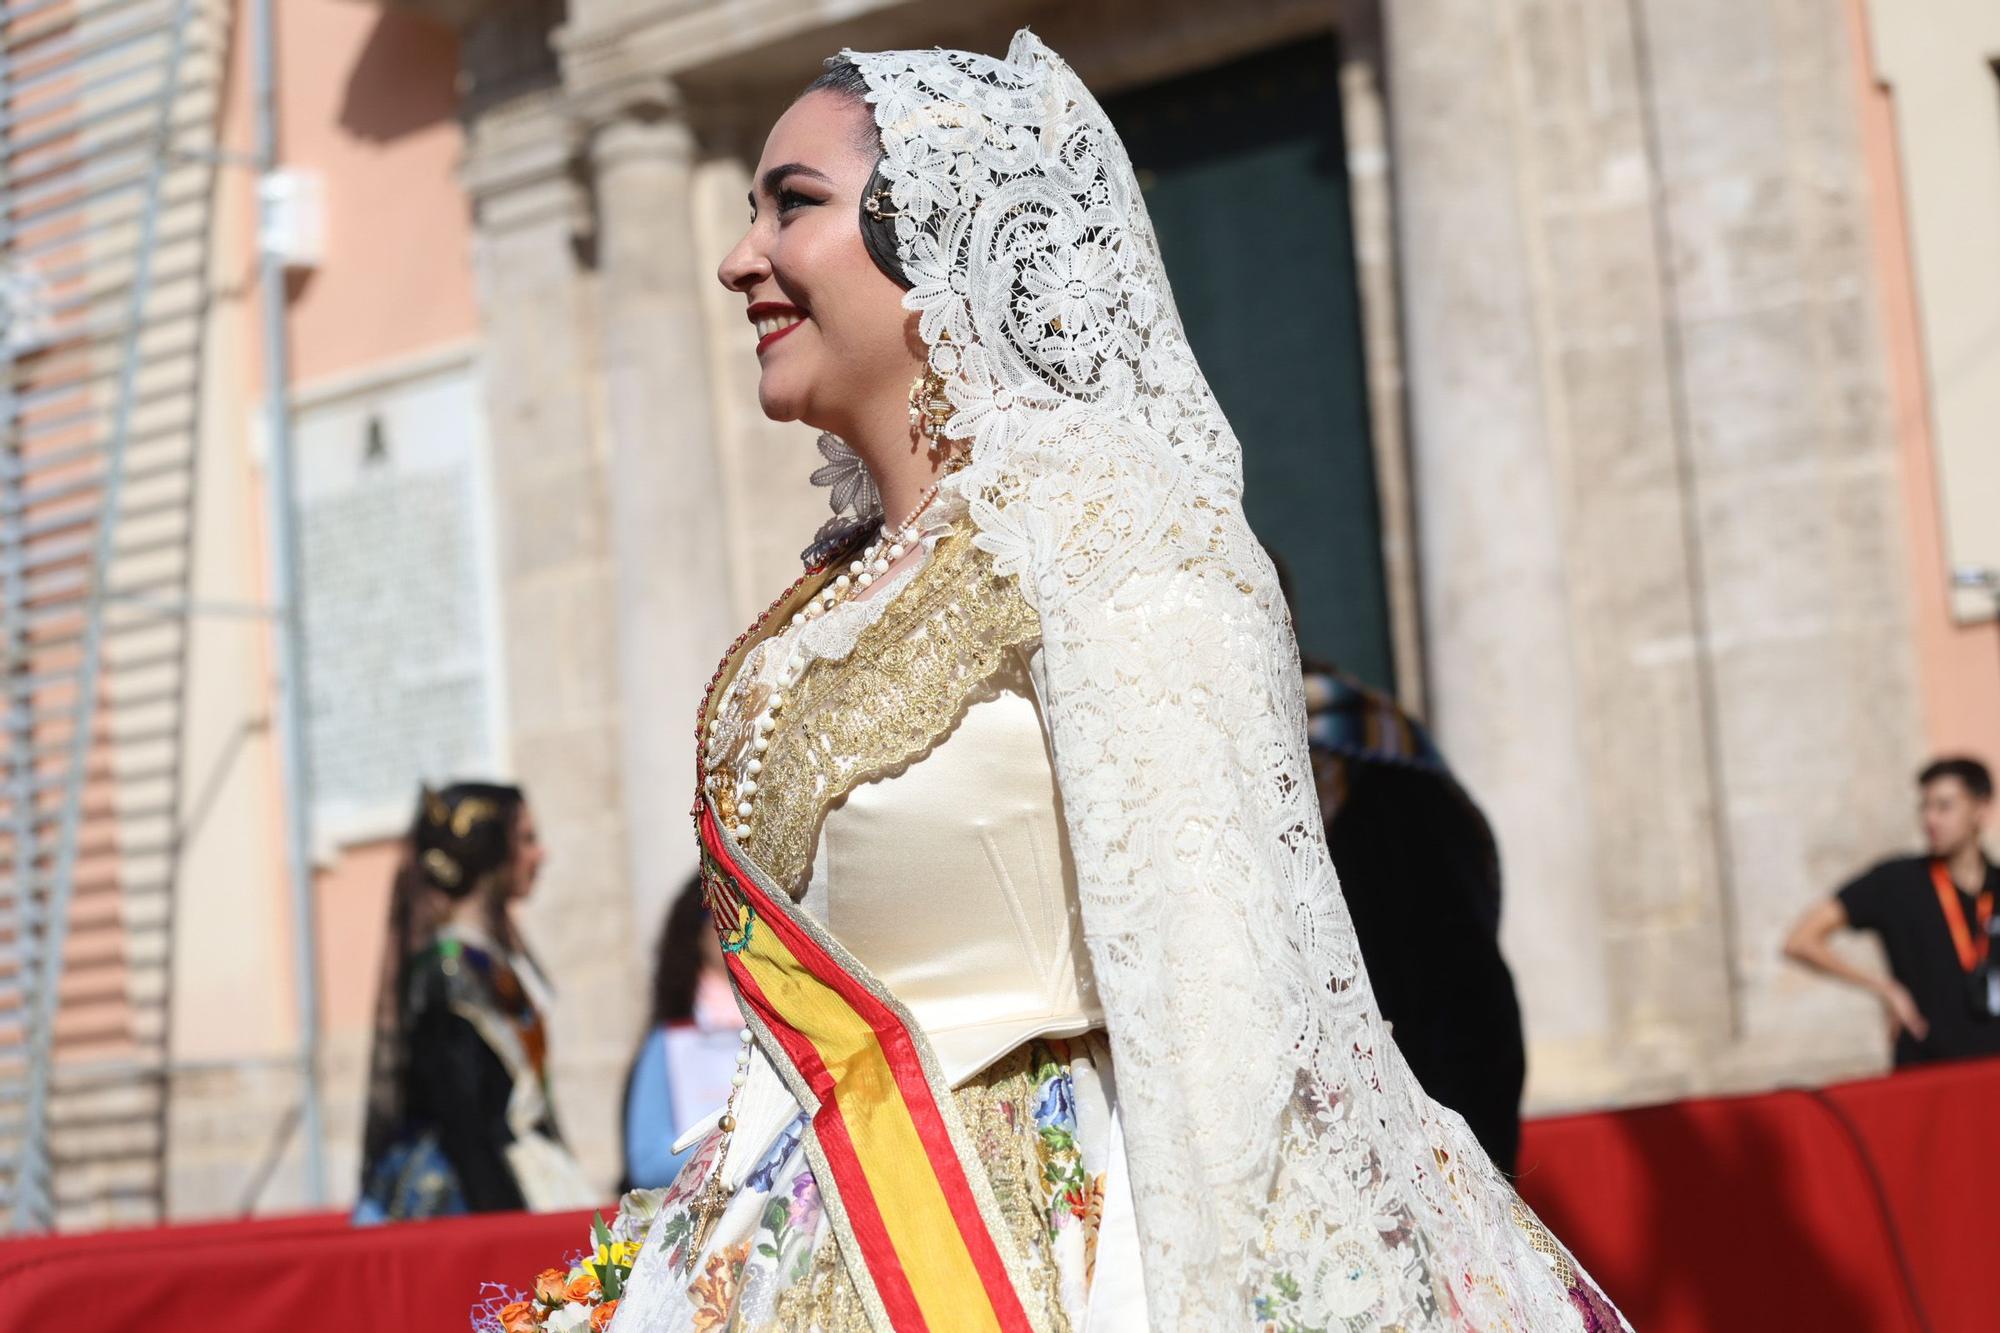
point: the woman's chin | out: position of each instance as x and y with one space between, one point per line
778 404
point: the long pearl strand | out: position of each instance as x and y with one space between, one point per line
712 1200
887 548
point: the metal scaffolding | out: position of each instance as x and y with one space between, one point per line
108 124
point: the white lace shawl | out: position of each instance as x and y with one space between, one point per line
1286 1167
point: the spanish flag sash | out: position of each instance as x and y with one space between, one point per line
896 1175
906 1195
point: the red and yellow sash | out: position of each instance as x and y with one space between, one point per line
898 1185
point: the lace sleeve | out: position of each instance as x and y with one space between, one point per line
1285 1165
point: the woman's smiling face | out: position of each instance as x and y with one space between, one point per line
832 335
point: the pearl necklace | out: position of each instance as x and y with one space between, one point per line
736 793
884 551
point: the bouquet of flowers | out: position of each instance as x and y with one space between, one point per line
582 1297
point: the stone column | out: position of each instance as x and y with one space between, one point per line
1794 488
559 596
670 527
1601 352
1371 202
1663 571
1503 682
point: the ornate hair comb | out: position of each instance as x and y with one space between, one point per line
471 812
443 869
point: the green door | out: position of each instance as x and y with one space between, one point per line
1245 173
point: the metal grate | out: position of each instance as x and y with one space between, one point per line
108 115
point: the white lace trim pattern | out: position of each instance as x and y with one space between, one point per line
1287 1169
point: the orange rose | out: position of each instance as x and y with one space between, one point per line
549 1286
582 1288
600 1318
520 1317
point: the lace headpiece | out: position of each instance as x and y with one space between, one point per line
1033 265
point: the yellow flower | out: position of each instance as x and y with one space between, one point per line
623 1253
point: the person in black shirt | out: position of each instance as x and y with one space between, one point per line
1933 914
1420 871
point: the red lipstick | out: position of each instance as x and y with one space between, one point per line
770 310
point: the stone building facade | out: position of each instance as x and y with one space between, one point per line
1643 540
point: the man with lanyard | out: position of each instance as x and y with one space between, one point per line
1934 915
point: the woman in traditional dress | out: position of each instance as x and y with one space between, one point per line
458 1110
1054 1018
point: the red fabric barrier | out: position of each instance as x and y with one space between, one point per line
1931 1135
1715 1215
30 1249
308 1275
1707 1216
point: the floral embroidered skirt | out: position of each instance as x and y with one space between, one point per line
1039 1119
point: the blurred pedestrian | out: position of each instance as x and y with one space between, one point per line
459 1118
1934 915
1420 871
682 1069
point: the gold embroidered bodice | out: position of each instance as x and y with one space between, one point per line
907 800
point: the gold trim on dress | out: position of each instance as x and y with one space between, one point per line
901 690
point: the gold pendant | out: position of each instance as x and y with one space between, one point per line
707 1208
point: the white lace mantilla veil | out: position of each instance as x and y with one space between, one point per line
1286 1167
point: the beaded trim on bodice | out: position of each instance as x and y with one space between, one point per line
899 689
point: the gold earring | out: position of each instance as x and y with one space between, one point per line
930 409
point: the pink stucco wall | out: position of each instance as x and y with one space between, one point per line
367 101
353 911
1959 663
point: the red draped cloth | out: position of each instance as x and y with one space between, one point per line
288 1275
1842 1211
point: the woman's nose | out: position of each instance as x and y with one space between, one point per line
745 266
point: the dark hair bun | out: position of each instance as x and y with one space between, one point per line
464 833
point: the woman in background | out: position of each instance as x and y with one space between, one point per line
458 1116
682 1069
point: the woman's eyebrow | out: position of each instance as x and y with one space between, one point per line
776 176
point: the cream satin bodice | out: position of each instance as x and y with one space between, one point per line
950 879
906 798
